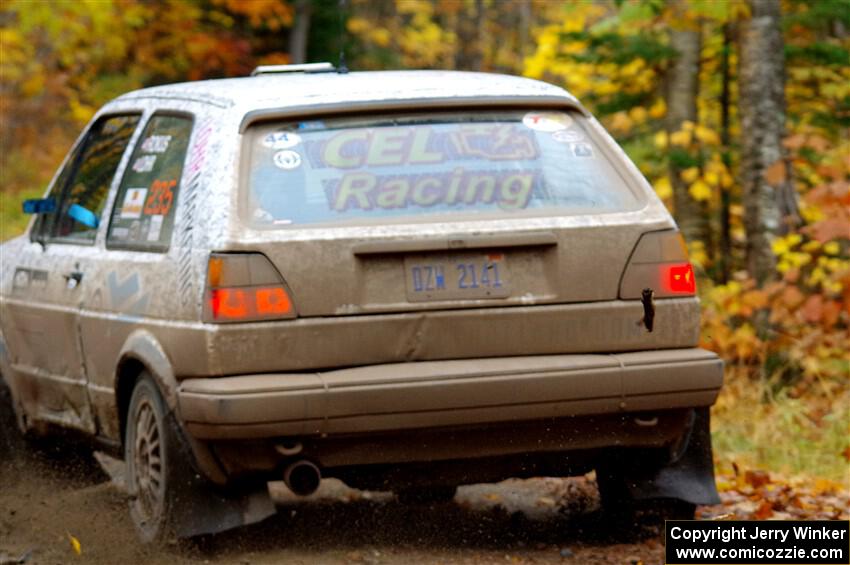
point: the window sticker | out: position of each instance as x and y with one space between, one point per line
287 160
135 230
134 201
144 213
281 140
399 166
582 149
568 135
315 124
502 142
547 121
263 215
144 164
156 144
21 279
155 227
161 197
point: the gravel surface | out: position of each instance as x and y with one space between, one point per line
49 501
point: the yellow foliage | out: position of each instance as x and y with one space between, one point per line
700 191
690 174
681 138
658 109
698 255
76 546
632 68
621 121
663 188
638 114
573 47
660 139
381 36
33 85
358 25
832 248
81 113
706 135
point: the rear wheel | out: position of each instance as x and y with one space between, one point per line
12 443
151 454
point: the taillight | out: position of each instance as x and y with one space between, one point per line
660 262
679 278
244 287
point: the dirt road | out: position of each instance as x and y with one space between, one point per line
45 501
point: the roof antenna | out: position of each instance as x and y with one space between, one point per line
341 69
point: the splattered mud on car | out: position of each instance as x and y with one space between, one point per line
405 281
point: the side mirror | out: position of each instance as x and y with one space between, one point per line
39 205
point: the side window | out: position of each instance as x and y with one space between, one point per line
143 214
44 222
85 181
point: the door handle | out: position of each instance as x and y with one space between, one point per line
73 279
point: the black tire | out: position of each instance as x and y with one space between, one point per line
433 494
12 444
154 466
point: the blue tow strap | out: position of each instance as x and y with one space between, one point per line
83 215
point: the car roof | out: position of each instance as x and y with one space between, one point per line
287 90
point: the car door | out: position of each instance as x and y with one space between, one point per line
136 280
43 311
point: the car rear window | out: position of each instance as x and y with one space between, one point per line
355 169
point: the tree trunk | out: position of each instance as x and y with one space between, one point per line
682 92
524 22
770 204
725 255
470 30
300 32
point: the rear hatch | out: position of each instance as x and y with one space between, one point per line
441 210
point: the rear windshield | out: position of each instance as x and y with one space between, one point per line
357 169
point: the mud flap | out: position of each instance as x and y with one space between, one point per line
201 510
688 477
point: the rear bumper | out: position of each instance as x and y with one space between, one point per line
431 394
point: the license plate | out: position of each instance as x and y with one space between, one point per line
456 276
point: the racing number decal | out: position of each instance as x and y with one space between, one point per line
160 197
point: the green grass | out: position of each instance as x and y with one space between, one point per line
791 436
13 221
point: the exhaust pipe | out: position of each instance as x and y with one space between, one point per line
302 477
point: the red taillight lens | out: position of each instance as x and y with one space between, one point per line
679 278
244 287
236 304
660 262
272 301
228 304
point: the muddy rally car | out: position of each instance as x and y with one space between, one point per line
405 280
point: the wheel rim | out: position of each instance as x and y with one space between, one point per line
148 464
